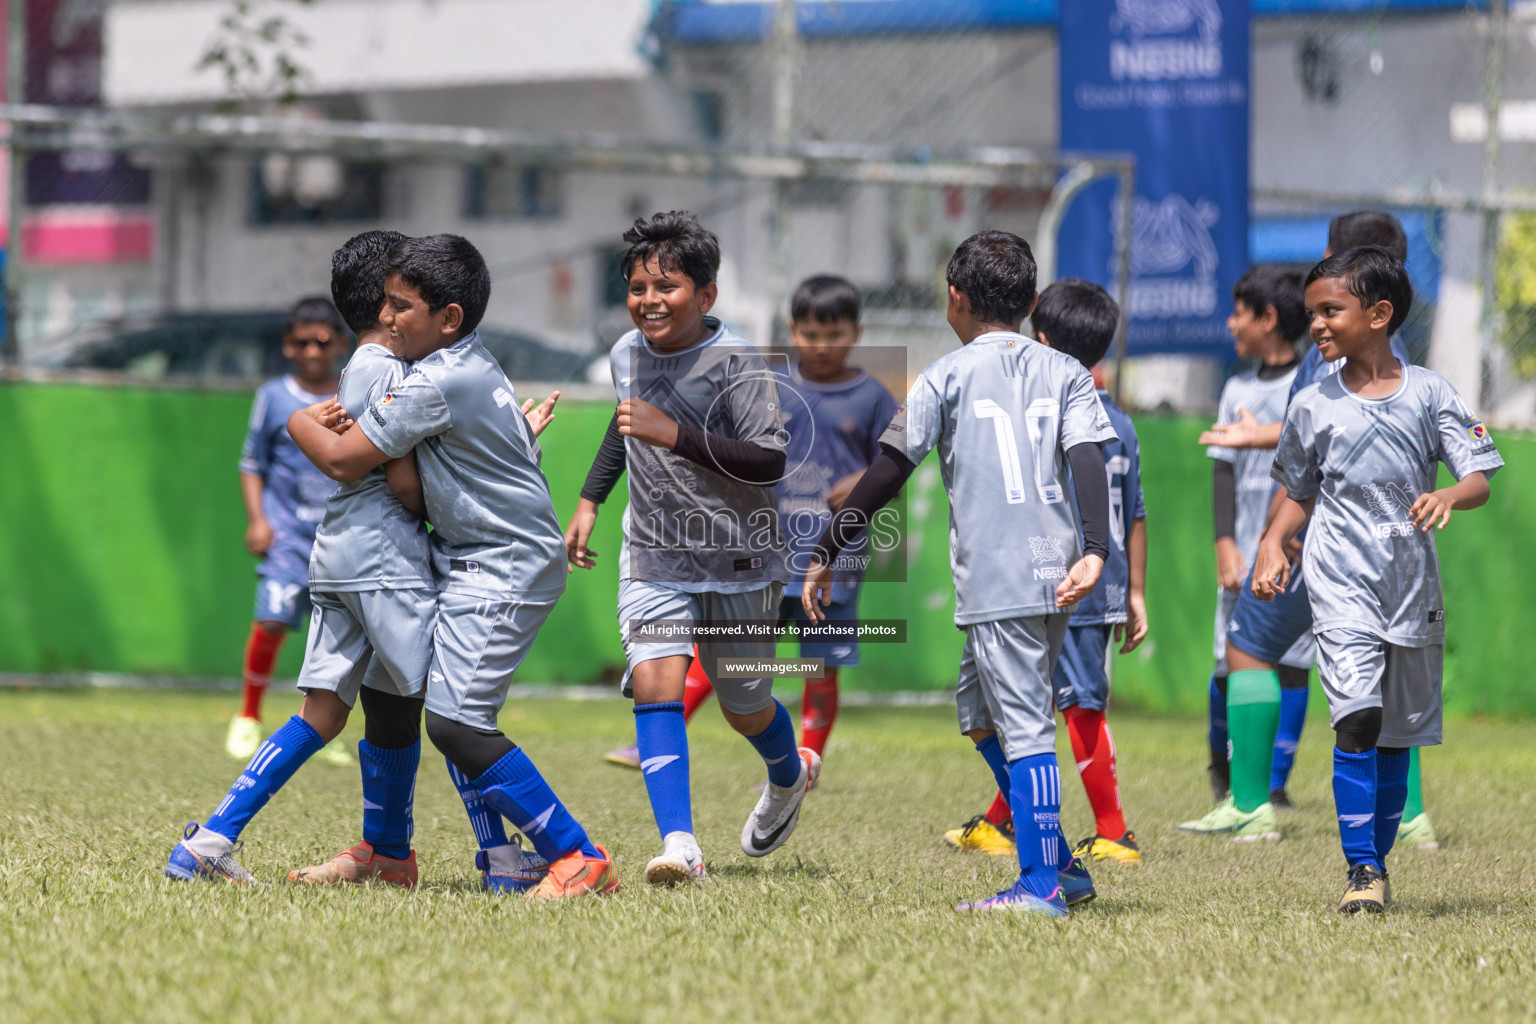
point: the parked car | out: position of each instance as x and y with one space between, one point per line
248 346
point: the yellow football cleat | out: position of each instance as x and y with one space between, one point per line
1122 851
243 738
981 836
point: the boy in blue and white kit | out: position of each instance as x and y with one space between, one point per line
284 501
1009 417
1358 456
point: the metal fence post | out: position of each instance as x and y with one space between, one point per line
1493 98
16 186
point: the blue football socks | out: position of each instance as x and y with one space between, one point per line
269 769
776 744
1293 718
484 822
1034 796
389 794
1354 795
1391 795
661 734
991 751
1216 729
514 789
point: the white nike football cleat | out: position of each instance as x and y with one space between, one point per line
681 861
773 820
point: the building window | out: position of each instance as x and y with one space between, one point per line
501 191
315 189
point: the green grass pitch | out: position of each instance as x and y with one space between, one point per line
850 921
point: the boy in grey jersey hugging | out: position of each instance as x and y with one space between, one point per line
1358 456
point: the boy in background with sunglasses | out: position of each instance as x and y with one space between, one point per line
284 502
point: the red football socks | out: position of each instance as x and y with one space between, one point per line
260 655
999 813
696 688
818 711
1094 750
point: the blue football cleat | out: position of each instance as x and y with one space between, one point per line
1020 900
1076 885
203 856
510 869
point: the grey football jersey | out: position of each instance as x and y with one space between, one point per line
1366 461
1266 399
1003 411
368 540
494 528
689 527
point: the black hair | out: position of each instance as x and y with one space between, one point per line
674 242
1270 286
1368 227
1372 274
445 269
825 298
1077 317
317 309
996 271
357 277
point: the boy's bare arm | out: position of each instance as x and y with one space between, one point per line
1433 510
258 532
1272 566
345 457
405 483
1245 432
1134 629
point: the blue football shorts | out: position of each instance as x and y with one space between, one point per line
834 653
279 600
1269 630
1080 678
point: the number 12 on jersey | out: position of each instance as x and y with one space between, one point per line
1041 418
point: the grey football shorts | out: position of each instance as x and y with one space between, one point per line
1005 682
1360 670
376 638
642 601
478 644
1301 655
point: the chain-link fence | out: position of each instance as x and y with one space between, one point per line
811 137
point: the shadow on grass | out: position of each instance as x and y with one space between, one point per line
780 870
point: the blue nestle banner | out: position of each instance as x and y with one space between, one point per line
1166 80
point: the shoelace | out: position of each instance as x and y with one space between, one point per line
972 825
1362 877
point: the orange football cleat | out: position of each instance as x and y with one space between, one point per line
575 875
358 865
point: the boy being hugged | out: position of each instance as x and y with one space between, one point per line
1008 417
699 428
284 502
1358 455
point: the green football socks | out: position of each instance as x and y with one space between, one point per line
1253 719
1415 805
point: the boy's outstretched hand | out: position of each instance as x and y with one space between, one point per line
1271 570
817 591
543 414
642 421
1080 581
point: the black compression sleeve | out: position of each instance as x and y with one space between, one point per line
1091 486
741 459
607 467
880 483
1224 498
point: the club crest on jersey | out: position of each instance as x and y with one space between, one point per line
1048 549
389 396
1477 430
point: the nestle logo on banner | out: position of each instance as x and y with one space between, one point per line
1142 59
1168 237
